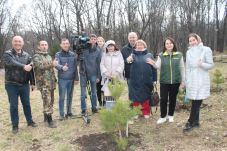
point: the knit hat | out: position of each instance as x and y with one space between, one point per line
109 42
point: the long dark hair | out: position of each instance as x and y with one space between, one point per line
174 45
115 48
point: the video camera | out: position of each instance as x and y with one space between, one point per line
79 44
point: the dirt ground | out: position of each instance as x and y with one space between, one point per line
97 142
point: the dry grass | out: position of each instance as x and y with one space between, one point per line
167 136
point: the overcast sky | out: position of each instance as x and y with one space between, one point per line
17 3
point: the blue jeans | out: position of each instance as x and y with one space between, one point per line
64 85
13 92
83 84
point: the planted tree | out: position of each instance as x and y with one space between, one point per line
218 78
115 120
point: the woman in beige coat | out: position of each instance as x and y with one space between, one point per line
112 62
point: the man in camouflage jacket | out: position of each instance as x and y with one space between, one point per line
45 79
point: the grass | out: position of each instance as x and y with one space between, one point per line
167 136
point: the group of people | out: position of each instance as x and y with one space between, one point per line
104 61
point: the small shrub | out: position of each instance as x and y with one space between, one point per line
218 78
181 96
54 48
221 58
122 143
115 120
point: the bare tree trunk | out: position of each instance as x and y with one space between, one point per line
221 33
224 26
119 130
218 41
107 20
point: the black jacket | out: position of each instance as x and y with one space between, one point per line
92 58
14 68
126 52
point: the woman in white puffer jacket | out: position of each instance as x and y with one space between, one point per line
112 62
197 80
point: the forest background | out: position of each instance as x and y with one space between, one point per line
152 20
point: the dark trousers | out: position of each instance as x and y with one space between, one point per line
194 115
99 92
13 92
171 91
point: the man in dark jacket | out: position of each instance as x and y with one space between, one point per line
127 51
92 58
66 69
18 71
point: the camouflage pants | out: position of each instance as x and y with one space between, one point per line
48 100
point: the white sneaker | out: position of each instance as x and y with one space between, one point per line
161 120
146 116
136 117
170 118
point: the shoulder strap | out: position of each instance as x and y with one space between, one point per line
156 105
155 110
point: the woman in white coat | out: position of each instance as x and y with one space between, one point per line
197 80
112 62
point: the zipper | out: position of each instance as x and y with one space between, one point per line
171 69
111 65
142 70
19 60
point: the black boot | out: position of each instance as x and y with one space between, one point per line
104 103
197 124
188 127
50 121
95 111
45 118
14 128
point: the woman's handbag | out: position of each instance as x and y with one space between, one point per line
154 98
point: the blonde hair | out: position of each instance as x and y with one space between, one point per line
196 37
142 42
102 40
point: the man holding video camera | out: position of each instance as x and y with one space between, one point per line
92 59
66 67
